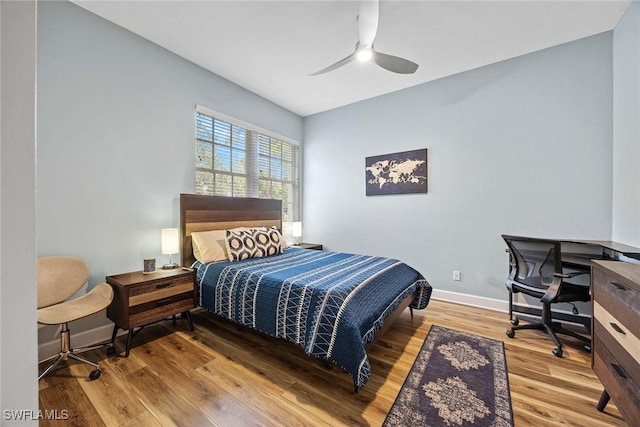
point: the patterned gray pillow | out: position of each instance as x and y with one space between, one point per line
268 241
245 243
241 245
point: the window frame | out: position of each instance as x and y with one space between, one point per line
252 174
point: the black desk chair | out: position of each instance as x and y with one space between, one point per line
536 270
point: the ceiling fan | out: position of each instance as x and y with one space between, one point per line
364 51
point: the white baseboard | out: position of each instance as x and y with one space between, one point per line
491 304
471 300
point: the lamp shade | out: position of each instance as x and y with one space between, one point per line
170 241
296 229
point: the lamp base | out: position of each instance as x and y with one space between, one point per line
170 266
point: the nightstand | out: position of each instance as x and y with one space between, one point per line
316 246
141 299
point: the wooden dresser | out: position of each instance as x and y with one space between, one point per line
616 335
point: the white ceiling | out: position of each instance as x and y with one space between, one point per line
270 47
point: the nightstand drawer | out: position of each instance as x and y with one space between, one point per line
157 291
159 309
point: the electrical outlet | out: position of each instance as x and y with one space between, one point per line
456 275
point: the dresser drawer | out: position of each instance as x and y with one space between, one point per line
623 390
619 296
625 347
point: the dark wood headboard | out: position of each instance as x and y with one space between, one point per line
204 213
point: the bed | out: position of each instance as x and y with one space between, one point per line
331 304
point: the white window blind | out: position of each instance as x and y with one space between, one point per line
239 160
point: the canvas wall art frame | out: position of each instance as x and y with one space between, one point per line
397 173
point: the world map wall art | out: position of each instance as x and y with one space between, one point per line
397 173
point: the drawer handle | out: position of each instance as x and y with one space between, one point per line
163 285
619 370
619 286
617 328
163 301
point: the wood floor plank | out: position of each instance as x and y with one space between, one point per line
212 400
264 402
342 413
146 419
225 375
109 396
167 405
65 397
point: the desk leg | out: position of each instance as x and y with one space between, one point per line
604 399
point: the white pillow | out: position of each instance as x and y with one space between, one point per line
210 246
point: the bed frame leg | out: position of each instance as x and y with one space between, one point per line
411 311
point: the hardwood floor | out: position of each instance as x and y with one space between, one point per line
225 375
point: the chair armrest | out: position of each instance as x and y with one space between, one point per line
569 275
554 289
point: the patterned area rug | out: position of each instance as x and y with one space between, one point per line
458 379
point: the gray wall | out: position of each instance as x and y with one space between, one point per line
626 128
18 355
523 146
116 138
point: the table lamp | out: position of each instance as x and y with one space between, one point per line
170 245
296 231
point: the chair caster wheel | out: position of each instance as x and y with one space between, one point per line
95 374
511 334
515 322
557 352
111 351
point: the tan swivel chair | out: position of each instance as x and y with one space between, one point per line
58 278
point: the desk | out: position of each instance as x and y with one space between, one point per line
609 249
577 255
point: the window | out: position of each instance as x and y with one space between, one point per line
239 160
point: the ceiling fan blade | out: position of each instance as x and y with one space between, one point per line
368 22
394 63
367 30
338 64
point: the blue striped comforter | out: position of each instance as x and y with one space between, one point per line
329 303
